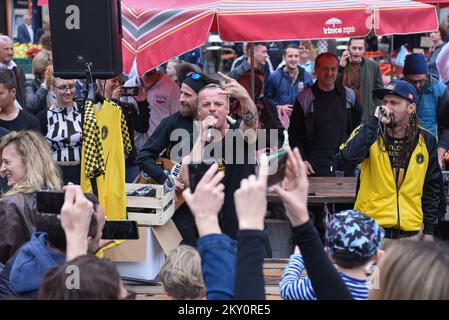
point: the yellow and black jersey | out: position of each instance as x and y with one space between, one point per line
105 138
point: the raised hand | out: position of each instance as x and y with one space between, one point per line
207 200
233 88
76 214
295 188
251 199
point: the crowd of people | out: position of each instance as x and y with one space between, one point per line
330 113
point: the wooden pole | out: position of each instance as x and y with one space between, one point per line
252 72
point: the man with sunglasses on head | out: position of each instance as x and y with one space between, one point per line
160 143
432 100
231 144
11 117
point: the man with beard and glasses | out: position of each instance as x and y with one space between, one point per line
164 139
399 181
432 108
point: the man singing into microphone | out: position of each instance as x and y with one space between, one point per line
399 181
228 143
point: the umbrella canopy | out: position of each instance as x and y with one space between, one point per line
441 3
173 28
155 31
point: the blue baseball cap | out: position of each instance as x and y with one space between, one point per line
353 236
400 88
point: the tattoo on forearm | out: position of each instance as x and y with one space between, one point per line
249 118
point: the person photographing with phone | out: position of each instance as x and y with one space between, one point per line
136 118
360 74
399 182
162 96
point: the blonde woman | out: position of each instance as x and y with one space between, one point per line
37 89
28 167
413 270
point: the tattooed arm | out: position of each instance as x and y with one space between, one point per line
234 89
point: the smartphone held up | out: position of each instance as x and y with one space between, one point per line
130 91
277 163
196 172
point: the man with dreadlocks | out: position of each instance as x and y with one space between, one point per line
399 181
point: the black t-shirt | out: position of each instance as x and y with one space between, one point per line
399 161
237 166
328 121
23 121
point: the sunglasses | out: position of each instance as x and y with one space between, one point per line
417 82
193 75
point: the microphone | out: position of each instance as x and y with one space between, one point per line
210 134
382 111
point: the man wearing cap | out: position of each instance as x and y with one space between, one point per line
161 142
399 181
432 100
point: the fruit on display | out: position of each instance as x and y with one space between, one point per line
26 50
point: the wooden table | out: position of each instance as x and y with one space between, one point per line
326 190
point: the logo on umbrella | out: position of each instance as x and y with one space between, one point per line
337 30
333 22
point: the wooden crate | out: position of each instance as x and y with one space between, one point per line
161 207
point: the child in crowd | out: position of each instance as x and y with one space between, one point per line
352 241
181 274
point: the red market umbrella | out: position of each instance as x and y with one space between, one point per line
155 31
167 30
402 17
442 3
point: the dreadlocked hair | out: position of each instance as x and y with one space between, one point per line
411 137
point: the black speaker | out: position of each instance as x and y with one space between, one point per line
84 31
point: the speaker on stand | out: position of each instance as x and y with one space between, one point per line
83 32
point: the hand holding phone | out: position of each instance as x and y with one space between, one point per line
277 162
196 172
345 58
50 202
130 91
